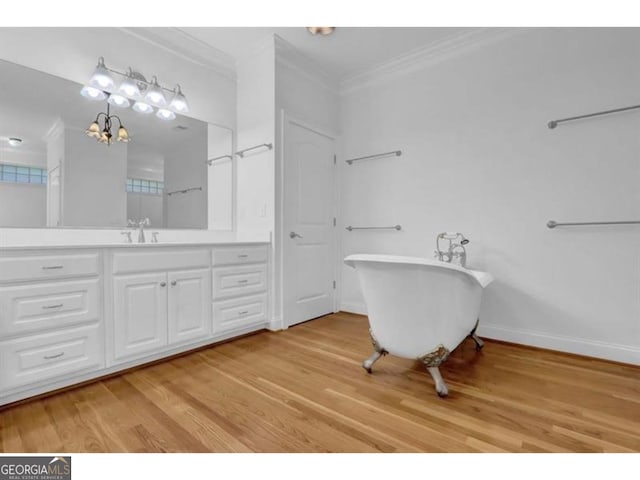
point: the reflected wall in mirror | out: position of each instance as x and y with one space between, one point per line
53 174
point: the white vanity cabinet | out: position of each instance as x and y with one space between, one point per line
154 309
51 320
68 315
239 287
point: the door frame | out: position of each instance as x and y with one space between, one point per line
278 307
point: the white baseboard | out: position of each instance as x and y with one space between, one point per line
359 308
580 346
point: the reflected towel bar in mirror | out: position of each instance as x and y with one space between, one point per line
211 160
554 123
394 227
241 153
184 191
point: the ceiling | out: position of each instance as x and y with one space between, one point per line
347 50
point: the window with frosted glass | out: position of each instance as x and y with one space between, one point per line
141 185
18 174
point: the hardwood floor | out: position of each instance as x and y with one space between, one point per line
303 390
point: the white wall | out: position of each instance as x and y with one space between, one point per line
478 158
23 205
94 182
256 125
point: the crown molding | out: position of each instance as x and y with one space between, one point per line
288 56
426 56
181 43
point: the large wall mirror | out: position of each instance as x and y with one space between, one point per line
177 173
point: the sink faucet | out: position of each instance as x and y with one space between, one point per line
455 253
140 224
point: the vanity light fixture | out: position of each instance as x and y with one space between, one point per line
102 133
134 91
15 142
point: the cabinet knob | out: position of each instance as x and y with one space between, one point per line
174 283
163 284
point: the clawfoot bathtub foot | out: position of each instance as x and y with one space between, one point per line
368 363
375 356
441 387
476 338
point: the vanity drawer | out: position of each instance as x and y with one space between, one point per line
236 313
35 307
17 269
35 359
240 255
137 260
239 280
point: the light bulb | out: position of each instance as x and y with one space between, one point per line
142 107
165 114
92 93
93 130
179 101
101 77
123 135
129 87
154 94
118 100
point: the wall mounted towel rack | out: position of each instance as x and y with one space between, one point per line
554 123
184 191
397 153
394 227
554 224
211 160
241 153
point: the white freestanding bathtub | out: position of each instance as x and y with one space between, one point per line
419 308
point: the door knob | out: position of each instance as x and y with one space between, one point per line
163 284
174 283
294 235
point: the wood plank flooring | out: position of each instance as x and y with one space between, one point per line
303 390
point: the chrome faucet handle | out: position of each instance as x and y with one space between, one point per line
131 223
154 237
128 234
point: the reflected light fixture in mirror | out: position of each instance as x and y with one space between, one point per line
321 30
103 134
15 142
134 90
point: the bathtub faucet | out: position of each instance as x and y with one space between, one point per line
455 252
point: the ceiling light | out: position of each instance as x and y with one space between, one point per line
92 93
154 94
321 30
15 142
101 77
142 107
118 100
165 114
104 135
179 101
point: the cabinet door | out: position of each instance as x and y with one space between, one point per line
140 314
189 305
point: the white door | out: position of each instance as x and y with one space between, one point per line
139 314
309 232
189 305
